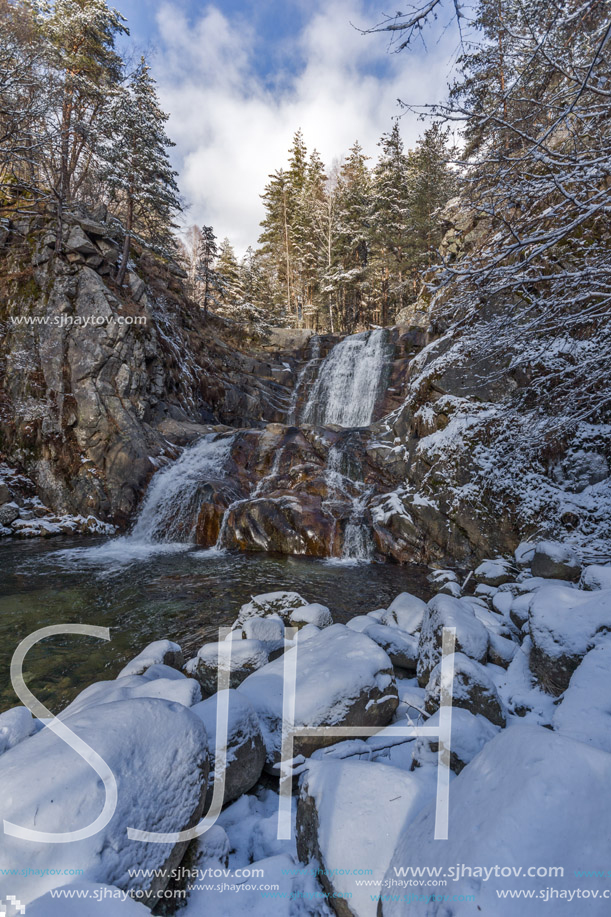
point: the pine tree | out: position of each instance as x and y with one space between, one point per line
85 69
206 279
389 223
227 269
276 237
137 168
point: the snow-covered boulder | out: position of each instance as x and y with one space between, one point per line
450 588
494 572
161 652
240 657
158 754
269 630
596 576
360 623
244 758
585 711
178 689
524 553
306 633
470 732
553 560
87 899
472 689
356 809
471 635
343 679
281 604
564 624
405 612
402 648
314 613
501 650
530 797
16 725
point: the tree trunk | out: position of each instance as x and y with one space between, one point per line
63 193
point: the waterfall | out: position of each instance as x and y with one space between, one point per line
349 381
357 546
302 378
173 499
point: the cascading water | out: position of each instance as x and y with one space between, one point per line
357 547
349 381
303 377
171 505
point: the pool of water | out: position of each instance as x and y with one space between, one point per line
142 594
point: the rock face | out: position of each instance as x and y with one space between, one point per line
361 807
343 679
158 754
242 761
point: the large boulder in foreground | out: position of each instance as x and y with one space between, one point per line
158 753
565 623
243 759
343 679
530 797
471 635
360 808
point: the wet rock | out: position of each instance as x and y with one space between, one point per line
8 513
276 604
285 524
5 494
553 560
242 760
472 689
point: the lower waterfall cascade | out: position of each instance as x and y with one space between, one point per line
342 390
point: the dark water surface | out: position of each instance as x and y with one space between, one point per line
144 594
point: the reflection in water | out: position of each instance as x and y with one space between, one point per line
145 593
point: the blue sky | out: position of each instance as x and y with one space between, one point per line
239 78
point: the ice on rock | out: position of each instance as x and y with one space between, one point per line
244 757
316 614
16 725
157 752
405 612
585 711
564 624
161 652
343 678
349 817
517 804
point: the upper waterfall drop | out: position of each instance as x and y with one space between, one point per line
173 499
349 381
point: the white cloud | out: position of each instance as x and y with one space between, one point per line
232 130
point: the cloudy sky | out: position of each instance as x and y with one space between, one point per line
240 77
